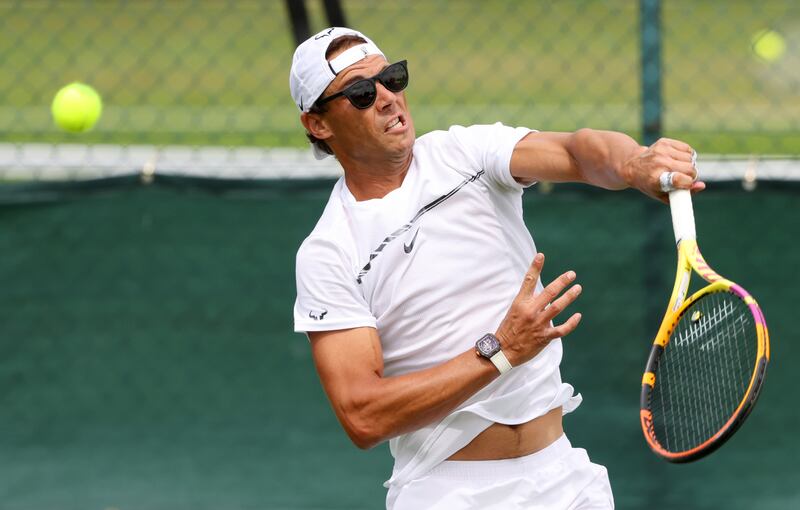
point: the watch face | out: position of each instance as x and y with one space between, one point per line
488 346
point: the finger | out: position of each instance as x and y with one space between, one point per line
532 276
665 181
669 179
566 328
676 144
551 292
558 306
684 168
681 155
698 186
682 181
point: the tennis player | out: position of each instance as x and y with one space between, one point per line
419 288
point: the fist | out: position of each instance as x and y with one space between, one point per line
666 155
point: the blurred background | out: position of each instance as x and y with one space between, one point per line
147 359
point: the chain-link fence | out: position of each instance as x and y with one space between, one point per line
214 73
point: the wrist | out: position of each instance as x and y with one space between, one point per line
490 348
627 171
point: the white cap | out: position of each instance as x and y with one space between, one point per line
312 73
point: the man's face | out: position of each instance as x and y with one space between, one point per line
383 130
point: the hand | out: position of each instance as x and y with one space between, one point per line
527 327
643 172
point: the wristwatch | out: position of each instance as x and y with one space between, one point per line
489 347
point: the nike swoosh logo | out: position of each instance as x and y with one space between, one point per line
410 246
407 227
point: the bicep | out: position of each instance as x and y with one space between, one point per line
347 361
544 156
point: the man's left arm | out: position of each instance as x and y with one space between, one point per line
606 159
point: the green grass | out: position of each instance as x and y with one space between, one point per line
213 72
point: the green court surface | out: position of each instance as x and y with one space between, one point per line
147 359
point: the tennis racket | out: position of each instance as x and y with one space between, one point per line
709 358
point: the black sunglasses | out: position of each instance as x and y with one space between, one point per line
362 93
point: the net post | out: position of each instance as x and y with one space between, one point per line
654 226
650 35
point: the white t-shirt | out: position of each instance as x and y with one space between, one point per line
434 265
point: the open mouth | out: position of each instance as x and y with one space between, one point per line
397 121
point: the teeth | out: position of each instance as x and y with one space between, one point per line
393 124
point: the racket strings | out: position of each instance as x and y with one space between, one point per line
704 371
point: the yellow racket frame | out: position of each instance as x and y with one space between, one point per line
690 259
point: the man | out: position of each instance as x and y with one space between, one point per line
419 286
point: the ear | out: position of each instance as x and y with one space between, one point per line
316 125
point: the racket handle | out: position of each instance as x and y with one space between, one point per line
680 205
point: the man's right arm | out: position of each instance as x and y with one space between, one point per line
373 408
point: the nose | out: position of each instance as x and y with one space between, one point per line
384 97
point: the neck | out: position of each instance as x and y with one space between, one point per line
369 180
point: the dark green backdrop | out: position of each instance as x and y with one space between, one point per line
147 359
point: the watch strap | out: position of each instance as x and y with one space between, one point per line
501 362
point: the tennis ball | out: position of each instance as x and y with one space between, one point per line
77 107
768 45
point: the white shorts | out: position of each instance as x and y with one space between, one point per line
559 477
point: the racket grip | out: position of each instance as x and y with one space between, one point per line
680 205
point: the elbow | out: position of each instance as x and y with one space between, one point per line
364 433
363 441
364 428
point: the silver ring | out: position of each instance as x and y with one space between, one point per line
694 165
665 180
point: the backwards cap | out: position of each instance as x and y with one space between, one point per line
312 73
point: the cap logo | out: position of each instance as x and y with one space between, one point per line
326 34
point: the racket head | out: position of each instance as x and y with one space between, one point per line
706 367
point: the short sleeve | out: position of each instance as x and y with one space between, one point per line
490 147
328 297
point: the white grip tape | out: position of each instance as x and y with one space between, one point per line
680 205
501 362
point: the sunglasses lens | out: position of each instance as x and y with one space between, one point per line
395 77
361 94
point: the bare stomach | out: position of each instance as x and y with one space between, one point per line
509 441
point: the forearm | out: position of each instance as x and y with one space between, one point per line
601 157
389 406
373 408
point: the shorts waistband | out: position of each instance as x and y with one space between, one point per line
503 468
